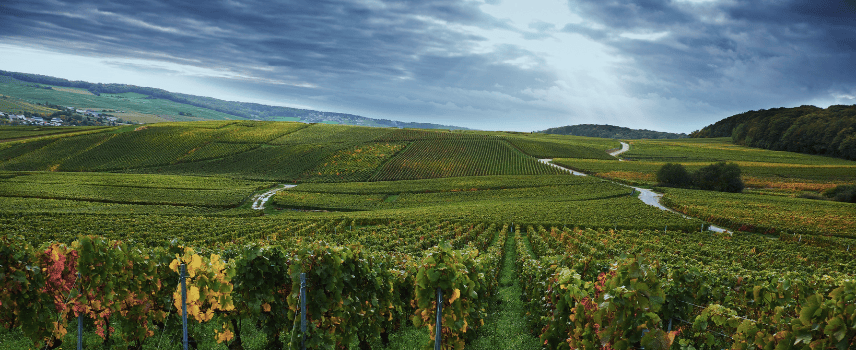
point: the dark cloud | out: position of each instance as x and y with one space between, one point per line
423 59
733 55
626 14
328 44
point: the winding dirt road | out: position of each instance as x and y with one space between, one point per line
645 195
259 202
624 148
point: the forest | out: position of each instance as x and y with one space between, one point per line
611 132
804 129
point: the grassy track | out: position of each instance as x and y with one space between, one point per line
505 327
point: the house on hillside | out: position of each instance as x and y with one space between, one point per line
38 121
56 122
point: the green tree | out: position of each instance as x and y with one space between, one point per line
723 177
671 174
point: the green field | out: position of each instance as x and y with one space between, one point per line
763 169
765 213
528 256
9 133
27 95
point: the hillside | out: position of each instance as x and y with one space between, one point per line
289 151
611 132
170 106
804 129
370 214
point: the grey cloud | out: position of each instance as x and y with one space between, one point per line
336 46
541 30
734 55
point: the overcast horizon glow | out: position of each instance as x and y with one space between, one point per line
662 65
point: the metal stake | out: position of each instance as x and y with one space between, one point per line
438 337
303 311
80 331
79 326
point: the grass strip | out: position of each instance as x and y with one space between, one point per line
505 327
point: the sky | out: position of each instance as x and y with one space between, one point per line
524 65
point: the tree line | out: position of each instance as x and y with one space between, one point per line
611 132
805 129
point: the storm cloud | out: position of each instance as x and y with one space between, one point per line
667 65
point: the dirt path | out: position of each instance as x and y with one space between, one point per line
259 202
624 148
547 161
645 195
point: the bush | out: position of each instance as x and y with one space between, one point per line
842 193
671 174
723 177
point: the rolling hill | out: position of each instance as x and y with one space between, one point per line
147 104
378 220
611 132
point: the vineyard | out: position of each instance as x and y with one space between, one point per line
550 146
784 176
130 189
450 158
15 132
13 105
717 150
368 281
766 214
95 227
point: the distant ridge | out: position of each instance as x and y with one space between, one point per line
244 110
611 132
803 129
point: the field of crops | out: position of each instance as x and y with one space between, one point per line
419 135
330 134
357 163
717 284
707 291
447 158
766 214
718 150
14 105
124 102
795 177
129 189
21 131
352 197
555 146
382 218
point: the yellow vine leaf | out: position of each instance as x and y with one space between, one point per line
195 264
224 336
455 295
174 265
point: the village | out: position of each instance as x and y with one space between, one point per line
71 113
